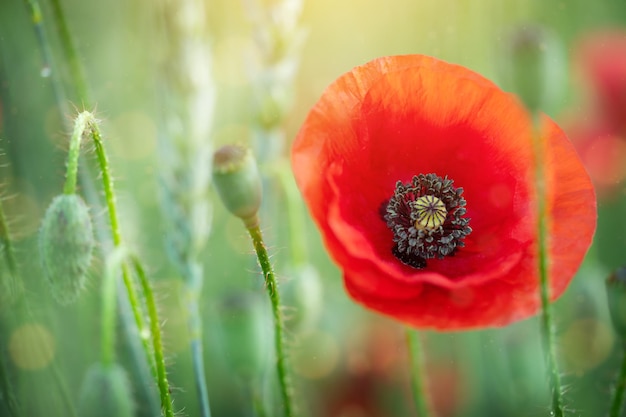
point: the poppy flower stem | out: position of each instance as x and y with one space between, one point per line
416 359
617 400
157 345
272 289
547 323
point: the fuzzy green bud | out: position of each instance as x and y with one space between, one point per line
238 182
616 293
105 392
534 67
66 244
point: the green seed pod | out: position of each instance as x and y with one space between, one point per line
616 293
66 244
238 183
105 392
534 67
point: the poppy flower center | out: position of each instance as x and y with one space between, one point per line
431 212
426 218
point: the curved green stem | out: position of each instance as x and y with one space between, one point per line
80 127
547 323
617 400
272 290
166 402
109 194
417 384
81 90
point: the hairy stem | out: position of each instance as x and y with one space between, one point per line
80 88
109 194
80 126
155 329
272 290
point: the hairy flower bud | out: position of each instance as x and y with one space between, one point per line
238 183
105 392
66 244
616 293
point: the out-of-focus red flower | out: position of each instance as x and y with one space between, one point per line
602 151
602 58
375 160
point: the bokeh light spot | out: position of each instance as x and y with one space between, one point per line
31 347
316 355
231 56
133 135
585 344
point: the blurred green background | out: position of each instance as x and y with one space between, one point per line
347 362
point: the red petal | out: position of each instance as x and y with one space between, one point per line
401 116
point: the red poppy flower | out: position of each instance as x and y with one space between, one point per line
403 240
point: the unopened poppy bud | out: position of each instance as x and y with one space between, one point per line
616 293
66 244
534 67
105 392
238 183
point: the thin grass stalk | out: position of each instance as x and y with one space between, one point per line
185 148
